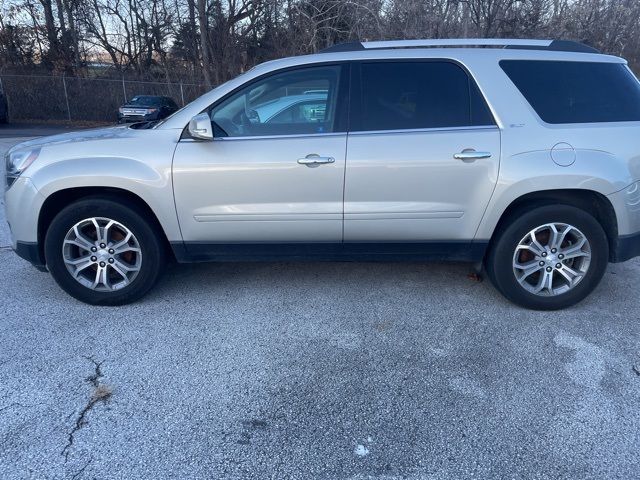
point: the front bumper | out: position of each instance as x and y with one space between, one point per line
137 118
32 254
23 203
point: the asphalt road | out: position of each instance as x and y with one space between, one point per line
317 370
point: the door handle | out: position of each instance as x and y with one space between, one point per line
469 154
314 159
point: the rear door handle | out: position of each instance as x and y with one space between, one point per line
314 159
469 154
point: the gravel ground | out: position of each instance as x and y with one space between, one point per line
317 370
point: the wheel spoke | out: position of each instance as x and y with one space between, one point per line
124 267
78 261
564 236
527 269
534 241
123 245
80 240
104 277
554 237
576 251
105 231
96 280
531 248
126 248
82 267
545 283
570 274
116 268
80 243
97 228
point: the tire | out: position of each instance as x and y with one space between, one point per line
514 248
128 271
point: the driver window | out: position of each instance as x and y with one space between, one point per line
297 102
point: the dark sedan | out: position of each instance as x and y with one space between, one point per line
146 108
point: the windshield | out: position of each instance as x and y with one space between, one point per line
146 100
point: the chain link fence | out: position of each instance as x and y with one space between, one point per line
60 98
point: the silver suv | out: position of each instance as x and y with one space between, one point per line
522 157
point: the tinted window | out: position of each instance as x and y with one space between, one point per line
145 100
577 92
414 95
301 101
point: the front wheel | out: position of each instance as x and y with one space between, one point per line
549 258
103 253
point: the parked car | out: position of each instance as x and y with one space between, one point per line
4 110
146 108
308 107
523 160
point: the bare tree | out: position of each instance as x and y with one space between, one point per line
212 40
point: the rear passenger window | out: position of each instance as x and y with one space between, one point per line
577 92
417 95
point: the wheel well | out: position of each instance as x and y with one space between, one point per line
60 199
593 202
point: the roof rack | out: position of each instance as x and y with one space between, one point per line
556 45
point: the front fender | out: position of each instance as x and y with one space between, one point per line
152 184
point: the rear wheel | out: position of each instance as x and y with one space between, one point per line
549 258
103 253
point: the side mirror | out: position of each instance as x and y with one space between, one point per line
200 127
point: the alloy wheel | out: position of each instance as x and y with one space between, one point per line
102 254
552 259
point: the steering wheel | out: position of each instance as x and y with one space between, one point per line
239 124
229 127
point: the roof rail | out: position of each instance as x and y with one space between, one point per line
557 45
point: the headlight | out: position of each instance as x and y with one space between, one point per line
18 161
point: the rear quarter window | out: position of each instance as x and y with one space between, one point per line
577 92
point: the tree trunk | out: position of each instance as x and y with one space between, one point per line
193 43
50 27
204 41
74 33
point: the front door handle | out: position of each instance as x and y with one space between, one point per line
470 155
314 159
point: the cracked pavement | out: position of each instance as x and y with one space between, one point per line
317 370
100 394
